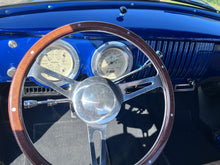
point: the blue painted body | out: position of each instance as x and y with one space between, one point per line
187 36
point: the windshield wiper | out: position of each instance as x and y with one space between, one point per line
199 4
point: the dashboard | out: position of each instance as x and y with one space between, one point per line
188 39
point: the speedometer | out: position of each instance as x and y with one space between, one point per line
61 58
112 60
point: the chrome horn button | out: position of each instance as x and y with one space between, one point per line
97 100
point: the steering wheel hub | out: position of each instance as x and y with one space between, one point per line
97 100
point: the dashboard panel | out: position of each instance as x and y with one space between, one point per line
186 37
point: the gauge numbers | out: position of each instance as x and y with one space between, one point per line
58 60
113 63
61 58
112 60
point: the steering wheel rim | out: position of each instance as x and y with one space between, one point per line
15 94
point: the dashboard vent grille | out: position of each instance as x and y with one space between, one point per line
35 91
183 59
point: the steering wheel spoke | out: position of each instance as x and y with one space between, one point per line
102 130
37 71
149 84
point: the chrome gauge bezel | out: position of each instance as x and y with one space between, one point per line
108 45
74 56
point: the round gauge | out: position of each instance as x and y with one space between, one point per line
112 60
61 58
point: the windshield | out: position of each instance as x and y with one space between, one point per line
207 4
213 5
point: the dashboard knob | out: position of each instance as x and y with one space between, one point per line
123 10
11 72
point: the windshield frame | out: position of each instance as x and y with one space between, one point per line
172 2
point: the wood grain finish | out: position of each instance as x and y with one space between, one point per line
14 104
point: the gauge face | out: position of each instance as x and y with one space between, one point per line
112 63
61 58
112 60
58 60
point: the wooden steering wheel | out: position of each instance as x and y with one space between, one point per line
114 93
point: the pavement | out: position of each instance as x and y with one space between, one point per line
7 2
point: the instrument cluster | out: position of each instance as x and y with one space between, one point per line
111 60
